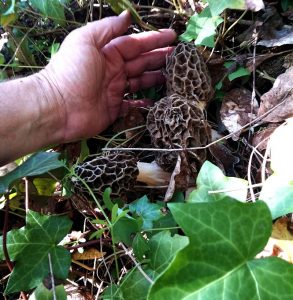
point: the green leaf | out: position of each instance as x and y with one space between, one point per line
211 178
149 212
42 293
45 186
37 164
240 72
53 50
202 28
7 12
163 248
29 248
140 246
112 292
84 151
217 7
124 230
20 44
219 263
53 9
277 192
107 199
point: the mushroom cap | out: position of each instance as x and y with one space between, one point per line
176 122
187 74
116 170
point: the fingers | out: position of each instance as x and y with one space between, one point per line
126 104
146 80
147 62
131 46
103 31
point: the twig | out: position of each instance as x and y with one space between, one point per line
26 201
89 243
234 190
145 275
210 144
4 236
52 277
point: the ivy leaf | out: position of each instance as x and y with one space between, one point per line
217 7
112 292
211 178
202 28
162 249
163 246
29 248
277 192
37 164
51 8
140 246
149 212
7 12
41 292
124 229
219 263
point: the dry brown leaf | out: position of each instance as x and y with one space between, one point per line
172 184
281 242
88 254
280 94
237 111
260 138
282 37
225 159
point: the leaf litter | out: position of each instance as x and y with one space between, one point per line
247 110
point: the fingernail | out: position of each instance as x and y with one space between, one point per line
125 13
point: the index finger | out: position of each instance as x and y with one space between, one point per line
133 45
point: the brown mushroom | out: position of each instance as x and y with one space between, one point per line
120 171
188 75
175 122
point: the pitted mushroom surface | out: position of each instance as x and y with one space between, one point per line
175 122
117 170
187 74
178 120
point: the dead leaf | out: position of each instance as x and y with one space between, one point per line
225 159
288 60
280 94
237 111
280 243
281 37
281 148
254 5
172 184
260 138
88 254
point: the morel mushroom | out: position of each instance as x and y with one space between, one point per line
120 171
175 122
187 74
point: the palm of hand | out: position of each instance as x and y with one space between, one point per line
91 85
91 73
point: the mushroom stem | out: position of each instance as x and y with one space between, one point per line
152 174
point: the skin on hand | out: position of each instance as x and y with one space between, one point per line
94 66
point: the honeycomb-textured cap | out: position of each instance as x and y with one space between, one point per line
117 170
175 122
187 74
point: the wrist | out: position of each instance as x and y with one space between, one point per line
51 113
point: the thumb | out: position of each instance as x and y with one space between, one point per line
103 31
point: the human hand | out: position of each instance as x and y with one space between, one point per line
93 68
